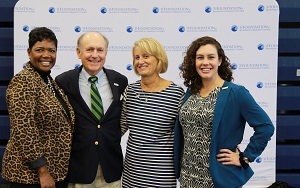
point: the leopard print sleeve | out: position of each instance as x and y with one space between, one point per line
21 100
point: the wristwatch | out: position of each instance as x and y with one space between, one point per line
246 159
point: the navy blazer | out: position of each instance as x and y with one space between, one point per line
94 143
234 107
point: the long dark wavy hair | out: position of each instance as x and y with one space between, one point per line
189 73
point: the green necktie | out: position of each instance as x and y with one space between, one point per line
97 106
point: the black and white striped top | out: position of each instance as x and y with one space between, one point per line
150 118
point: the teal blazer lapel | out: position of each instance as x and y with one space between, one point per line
186 96
220 107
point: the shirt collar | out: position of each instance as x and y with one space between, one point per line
87 75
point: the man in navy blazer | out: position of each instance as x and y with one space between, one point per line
96 154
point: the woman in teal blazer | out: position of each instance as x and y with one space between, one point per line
212 119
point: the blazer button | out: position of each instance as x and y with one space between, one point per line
96 143
99 126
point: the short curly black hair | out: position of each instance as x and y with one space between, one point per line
188 71
39 34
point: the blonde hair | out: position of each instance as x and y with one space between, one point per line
154 48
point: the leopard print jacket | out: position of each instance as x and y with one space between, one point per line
40 128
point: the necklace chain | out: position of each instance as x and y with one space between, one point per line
146 94
209 90
49 84
153 88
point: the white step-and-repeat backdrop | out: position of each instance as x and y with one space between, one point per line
247 30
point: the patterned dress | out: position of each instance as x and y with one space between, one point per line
150 118
196 117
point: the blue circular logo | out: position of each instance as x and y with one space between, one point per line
26 28
234 66
259 85
261 8
260 47
155 10
24 65
129 67
103 10
234 28
208 9
77 29
181 29
51 10
129 29
76 66
258 160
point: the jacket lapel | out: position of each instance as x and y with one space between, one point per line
76 92
113 85
186 96
220 107
114 89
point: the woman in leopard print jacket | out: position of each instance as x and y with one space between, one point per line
41 119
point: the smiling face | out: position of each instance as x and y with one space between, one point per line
42 55
92 51
144 64
207 62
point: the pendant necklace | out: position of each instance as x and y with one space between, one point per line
146 94
146 97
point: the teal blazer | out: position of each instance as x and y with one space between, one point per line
234 107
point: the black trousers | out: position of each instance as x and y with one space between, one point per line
60 184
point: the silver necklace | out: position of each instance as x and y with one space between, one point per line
146 94
49 84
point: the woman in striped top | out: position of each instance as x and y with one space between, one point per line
150 107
